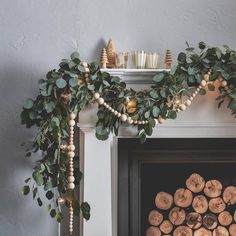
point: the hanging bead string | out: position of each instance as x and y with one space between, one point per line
71 178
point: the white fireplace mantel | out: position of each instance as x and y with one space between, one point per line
99 158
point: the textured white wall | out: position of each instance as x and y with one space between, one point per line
35 35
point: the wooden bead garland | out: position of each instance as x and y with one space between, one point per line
71 178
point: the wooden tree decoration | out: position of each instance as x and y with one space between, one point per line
103 59
111 54
168 59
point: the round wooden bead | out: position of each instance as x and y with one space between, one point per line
203 83
177 110
71 154
71 147
109 108
100 101
115 113
123 117
86 69
130 121
135 122
224 83
161 120
193 95
206 77
71 179
71 123
182 107
119 114
96 95
143 122
188 102
72 116
71 186
199 86
191 98
84 64
112 110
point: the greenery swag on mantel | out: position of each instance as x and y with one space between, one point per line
71 88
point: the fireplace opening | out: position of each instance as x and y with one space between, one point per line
163 166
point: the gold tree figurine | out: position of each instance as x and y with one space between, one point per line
111 54
103 59
168 59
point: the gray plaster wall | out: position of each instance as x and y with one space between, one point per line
35 35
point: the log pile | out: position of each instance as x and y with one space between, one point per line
201 208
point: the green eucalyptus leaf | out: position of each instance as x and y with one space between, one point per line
232 105
28 104
75 55
61 83
202 91
182 57
40 203
159 77
38 178
155 111
202 45
49 195
211 87
53 213
85 208
73 82
25 190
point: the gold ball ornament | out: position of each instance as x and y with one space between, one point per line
131 105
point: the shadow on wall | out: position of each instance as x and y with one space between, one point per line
18 214
96 50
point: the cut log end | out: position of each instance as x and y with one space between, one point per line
164 200
177 216
153 231
210 221
155 217
202 232
183 197
195 183
229 195
194 220
232 230
216 205
225 218
200 204
166 227
213 188
183 231
220 231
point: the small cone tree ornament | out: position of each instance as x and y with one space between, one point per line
168 59
103 59
111 54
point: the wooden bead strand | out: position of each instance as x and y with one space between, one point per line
71 178
71 218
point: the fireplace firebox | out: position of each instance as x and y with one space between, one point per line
164 165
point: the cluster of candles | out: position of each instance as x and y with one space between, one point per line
140 60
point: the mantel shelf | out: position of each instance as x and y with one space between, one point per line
135 76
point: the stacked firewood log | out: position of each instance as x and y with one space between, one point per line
200 209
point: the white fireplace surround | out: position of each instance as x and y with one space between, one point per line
99 158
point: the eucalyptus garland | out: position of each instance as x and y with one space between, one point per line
71 88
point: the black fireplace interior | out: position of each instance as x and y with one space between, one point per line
164 165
